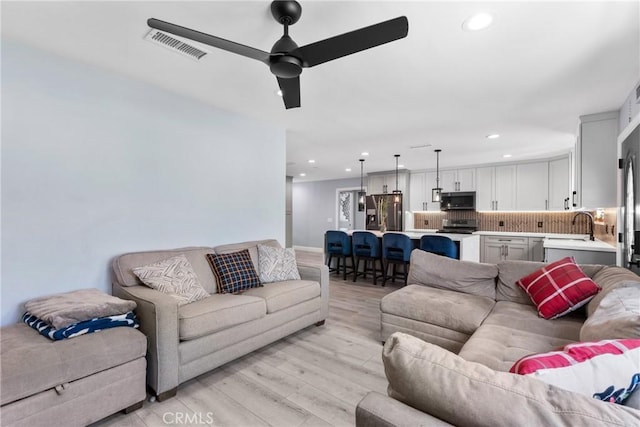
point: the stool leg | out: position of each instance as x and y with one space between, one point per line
385 267
375 272
406 273
394 272
355 273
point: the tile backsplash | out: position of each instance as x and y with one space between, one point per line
536 222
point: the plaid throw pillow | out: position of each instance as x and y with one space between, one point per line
558 288
234 272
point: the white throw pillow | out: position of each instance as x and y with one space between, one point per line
173 276
277 264
607 370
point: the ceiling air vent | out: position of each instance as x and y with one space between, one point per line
175 45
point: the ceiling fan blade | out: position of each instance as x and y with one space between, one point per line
352 42
210 40
290 91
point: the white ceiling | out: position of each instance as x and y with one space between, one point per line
527 77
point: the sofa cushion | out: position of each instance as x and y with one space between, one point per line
617 315
281 295
454 310
609 278
509 272
32 363
608 370
558 288
218 312
234 271
251 246
514 330
277 264
460 392
173 276
123 265
436 271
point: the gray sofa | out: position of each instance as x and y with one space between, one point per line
189 340
473 323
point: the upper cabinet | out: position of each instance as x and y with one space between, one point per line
527 186
496 188
532 186
596 161
559 184
385 182
458 180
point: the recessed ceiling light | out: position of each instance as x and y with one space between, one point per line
477 22
364 153
400 166
311 161
506 156
303 174
348 169
493 136
279 92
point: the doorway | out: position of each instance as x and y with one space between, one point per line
630 209
348 215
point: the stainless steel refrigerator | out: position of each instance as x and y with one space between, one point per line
384 212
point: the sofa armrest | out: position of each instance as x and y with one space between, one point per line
377 410
158 315
320 274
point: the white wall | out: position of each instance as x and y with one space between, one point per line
95 165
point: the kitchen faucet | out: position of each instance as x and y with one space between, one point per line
590 222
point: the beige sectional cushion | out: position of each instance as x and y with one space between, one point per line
617 315
465 393
446 273
281 295
32 363
453 310
509 272
123 265
218 312
609 278
513 331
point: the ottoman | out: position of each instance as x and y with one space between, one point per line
70 382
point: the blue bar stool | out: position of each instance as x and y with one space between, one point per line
366 246
396 250
338 245
440 245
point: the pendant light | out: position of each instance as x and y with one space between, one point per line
397 192
361 193
436 192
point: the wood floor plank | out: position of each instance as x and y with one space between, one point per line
334 411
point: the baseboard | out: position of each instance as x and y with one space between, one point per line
308 248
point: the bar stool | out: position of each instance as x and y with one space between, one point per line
338 244
396 250
366 245
440 245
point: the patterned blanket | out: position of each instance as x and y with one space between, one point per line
80 328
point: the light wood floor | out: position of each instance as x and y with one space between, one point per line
312 378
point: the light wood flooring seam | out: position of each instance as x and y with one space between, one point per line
314 377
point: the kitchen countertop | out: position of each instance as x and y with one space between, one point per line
417 234
579 245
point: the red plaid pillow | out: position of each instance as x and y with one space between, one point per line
558 288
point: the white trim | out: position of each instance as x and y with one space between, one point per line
628 129
308 248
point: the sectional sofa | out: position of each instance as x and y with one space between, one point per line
455 331
187 340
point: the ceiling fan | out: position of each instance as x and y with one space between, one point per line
286 59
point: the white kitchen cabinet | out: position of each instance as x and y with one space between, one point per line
559 184
596 161
458 180
532 186
502 248
420 186
496 188
536 249
383 183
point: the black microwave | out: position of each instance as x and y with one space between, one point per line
460 200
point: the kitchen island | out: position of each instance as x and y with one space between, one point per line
468 244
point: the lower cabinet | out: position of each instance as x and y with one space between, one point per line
503 248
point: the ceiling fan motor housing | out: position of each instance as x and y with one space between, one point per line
282 63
